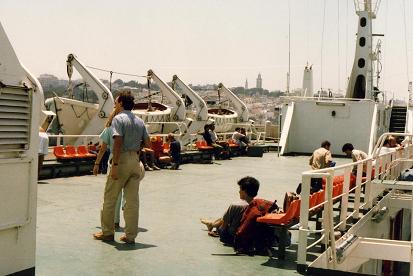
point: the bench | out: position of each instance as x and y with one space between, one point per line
282 222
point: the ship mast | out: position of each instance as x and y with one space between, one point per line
289 48
361 79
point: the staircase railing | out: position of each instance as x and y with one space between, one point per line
385 166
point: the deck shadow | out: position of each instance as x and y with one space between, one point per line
130 247
277 263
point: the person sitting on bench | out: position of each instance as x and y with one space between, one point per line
151 165
236 227
239 139
174 151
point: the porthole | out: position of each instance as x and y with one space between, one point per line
361 63
363 22
362 41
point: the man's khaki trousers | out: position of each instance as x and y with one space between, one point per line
129 176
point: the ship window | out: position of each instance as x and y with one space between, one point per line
361 63
362 41
363 22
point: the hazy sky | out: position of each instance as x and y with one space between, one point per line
207 41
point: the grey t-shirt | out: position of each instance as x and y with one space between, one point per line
131 128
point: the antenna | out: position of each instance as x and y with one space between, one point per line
289 47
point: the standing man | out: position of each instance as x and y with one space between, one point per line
356 155
320 159
129 132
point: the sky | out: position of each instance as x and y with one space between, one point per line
211 41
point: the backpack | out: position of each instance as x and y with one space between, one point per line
288 198
252 235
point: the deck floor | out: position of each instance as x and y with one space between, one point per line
171 241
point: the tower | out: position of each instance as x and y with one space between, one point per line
246 84
308 81
361 79
259 81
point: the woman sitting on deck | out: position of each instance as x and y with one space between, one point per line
238 226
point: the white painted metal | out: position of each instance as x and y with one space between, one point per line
369 236
18 162
358 119
286 126
174 112
226 119
78 117
361 79
308 89
178 105
199 118
339 121
239 106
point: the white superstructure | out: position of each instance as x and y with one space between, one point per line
359 118
21 97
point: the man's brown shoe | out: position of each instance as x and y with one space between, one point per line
99 236
125 240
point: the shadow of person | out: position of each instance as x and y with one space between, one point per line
121 229
284 264
130 247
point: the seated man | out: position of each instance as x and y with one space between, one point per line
147 153
238 225
174 151
224 146
209 140
241 139
244 137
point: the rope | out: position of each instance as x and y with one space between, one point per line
110 81
308 30
322 44
405 40
347 40
385 76
114 72
338 43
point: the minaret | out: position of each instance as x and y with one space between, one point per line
259 81
308 81
246 84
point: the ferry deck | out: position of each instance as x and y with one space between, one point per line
172 241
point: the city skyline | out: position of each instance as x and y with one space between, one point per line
208 42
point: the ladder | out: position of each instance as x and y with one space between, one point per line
398 119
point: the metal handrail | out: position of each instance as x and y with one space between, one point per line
386 166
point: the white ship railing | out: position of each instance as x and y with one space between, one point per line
85 138
377 167
256 133
317 99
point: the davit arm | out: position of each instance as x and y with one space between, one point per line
239 105
173 97
199 103
105 98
